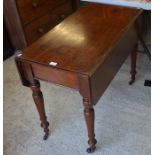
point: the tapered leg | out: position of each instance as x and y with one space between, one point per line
89 118
133 65
39 102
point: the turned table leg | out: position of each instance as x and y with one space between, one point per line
89 118
133 65
39 102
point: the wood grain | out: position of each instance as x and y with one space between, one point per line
56 76
31 9
89 48
83 41
42 25
27 20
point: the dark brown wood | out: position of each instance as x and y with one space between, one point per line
57 76
30 10
85 87
39 102
27 78
112 63
28 20
77 35
87 49
13 25
89 115
25 72
76 4
133 64
42 25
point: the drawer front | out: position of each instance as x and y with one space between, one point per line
31 9
54 75
37 28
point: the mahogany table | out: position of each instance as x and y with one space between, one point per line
84 52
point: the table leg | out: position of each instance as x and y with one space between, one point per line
133 65
39 102
89 118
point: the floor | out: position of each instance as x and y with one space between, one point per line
122 116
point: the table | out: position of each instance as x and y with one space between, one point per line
84 52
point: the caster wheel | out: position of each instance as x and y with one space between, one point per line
91 149
131 82
45 136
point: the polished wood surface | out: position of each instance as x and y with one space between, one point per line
27 20
89 115
66 78
42 25
30 9
39 102
84 52
110 66
80 36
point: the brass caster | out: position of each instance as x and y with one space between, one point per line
46 136
91 149
131 82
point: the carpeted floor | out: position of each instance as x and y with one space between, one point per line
122 117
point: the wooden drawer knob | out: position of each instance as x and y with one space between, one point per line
40 30
35 4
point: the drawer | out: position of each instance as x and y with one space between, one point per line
43 24
55 75
31 9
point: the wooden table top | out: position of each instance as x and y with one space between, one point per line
83 40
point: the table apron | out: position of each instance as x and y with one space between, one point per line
54 75
111 65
